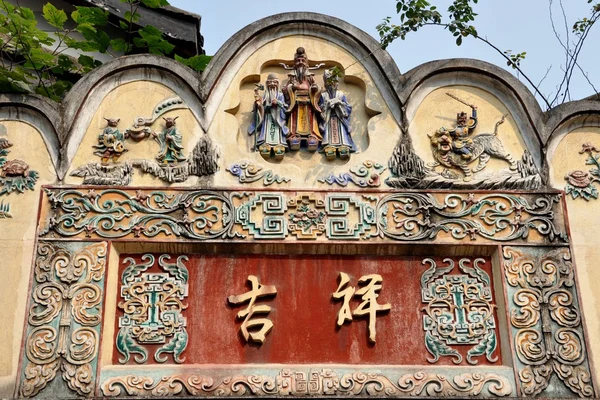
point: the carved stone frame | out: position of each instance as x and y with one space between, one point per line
361 233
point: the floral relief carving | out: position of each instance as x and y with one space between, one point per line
546 321
308 220
323 382
64 318
581 183
233 215
15 176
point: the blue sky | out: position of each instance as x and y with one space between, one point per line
518 25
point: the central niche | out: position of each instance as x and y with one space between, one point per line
303 108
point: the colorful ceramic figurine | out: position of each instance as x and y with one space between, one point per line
456 148
335 120
171 149
302 95
461 140
110 142
269 124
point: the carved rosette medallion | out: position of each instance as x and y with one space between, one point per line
308 219
153 309
64 317
459 310
546 322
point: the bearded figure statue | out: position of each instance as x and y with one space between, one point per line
302 95
335 120
269 121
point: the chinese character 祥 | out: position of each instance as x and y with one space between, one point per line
371 284
260 326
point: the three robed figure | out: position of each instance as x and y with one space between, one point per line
301 114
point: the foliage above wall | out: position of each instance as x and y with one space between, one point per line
35 61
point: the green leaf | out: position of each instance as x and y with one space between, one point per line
97 40
129 17
54 16
152 39
38 59
197 63
90 15
155 3
27 13
85 61
119 45
64 62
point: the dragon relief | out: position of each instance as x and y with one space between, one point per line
457 148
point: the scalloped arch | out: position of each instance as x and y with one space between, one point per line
66 122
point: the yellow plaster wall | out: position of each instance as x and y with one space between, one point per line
127 102
17 237
375 129
439 110
583 219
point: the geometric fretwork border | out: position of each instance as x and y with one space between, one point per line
205 215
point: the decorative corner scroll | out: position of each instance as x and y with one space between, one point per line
63 330
367 174
459 310
325 382
248 172
546 322
497 217
116 213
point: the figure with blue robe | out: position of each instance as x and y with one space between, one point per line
170 141
269 121
335 120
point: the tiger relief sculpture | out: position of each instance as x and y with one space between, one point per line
458 148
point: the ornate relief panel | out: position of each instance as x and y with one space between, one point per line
321 216
459 310
64 320
546 322
153 304
165 298
301 220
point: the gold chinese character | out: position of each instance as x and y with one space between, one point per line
263 325
344 314
369 305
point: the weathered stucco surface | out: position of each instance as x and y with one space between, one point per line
388 109
17 239
583 219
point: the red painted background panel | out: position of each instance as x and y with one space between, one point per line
303 311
